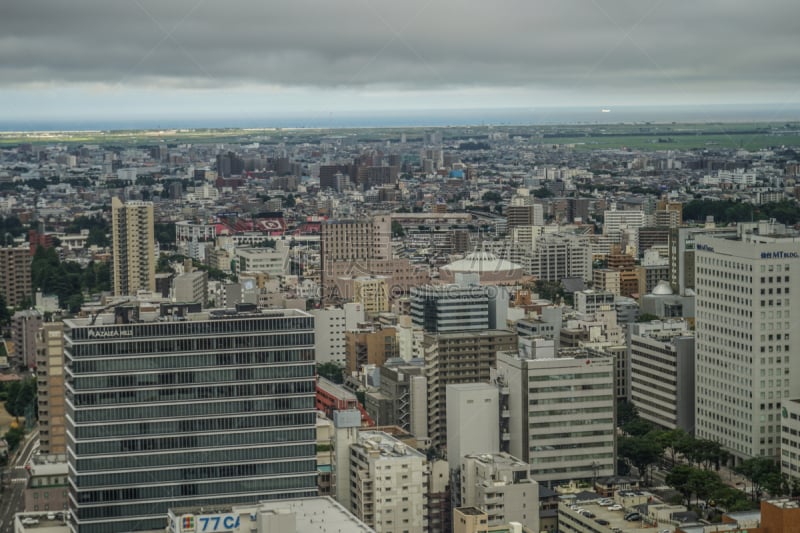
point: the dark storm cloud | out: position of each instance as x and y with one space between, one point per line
584 45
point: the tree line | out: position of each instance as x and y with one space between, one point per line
727 211
694 464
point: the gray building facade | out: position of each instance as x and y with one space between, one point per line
171 408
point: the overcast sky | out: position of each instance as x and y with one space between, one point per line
81 59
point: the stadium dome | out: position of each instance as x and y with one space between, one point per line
490 268
663 288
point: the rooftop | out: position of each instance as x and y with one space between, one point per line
474 511
389 447
312 515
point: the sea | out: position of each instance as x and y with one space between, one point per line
426 118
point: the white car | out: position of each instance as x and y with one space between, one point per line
615 507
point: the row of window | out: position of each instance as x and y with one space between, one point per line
187 442
236 325
164 475
139 461
173 411
572 399
202 392
228 423
210 375
204 344
202 360
562 377
571 423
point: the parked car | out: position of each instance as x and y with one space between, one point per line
633 517
615 507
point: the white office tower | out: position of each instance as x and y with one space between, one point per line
747 286
662 373
389 484
561 415
500 485
473 421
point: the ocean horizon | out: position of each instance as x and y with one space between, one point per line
426 118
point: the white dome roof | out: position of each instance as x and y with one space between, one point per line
663 288
481 262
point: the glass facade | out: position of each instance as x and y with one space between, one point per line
215 409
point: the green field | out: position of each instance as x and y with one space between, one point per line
646 136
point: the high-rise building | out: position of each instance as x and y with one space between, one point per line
746 340
458 357
473 421
349 247
24 326
388 484
682 256
561 415
662 373
444 308
561 255
134 247
50 388
465 305
175 407
15 274
402 399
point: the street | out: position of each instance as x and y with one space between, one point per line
15 478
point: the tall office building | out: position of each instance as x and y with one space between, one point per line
662 373
747 284
561 415
175 407
134 247
352 248
458 357
465 305
473 421
15 274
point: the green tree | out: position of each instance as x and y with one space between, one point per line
289 201
543 192
397 229
5 314
678 479
674 441
646 317
13 437
730 499
332 371
758 471
98 237
626 412
21 396
165 234
703 483
492 196
638 427
641 452
703 452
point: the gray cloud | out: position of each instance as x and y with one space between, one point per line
632 46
